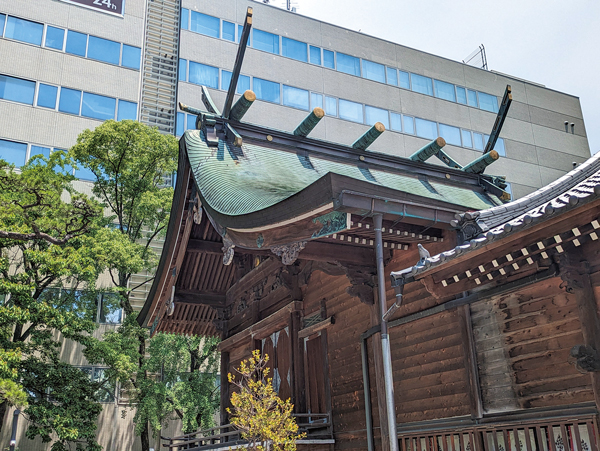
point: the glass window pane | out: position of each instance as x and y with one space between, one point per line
17 89
182 70
54 38
294 49
76 43
202 74
444 90
477 141
185 18
110 310
180 124
409 124
98 107
426 129
461 95
499 147
348 64
396 122
315 55
295 97
104 50
450 134
242 86
316 100
392 76
131 57
330 106
203 24
24 30
239 35
373 71
127 110
12 152
228 31
268 42
85 174
421 84
266 90
47 96
374 115
488 102
190 122
466 138
39 150
472 98
351 111
328 59
2 20
404 80
106 392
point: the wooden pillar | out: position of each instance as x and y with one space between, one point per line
379 380
224 388
466 327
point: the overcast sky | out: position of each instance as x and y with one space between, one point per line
555 43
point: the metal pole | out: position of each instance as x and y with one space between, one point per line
13 436
385 338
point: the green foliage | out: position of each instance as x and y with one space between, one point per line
258 412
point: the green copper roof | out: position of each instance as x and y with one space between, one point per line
237 182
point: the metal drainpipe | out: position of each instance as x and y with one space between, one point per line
385 338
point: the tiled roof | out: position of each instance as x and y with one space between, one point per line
581 185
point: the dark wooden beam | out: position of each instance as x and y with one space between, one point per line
464 314
195 297
314 250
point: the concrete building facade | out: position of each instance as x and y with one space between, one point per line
68 65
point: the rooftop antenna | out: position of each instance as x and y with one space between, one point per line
477 58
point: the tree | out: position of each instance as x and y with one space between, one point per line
263 418
129 161
52 250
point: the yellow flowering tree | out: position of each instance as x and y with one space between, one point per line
263 418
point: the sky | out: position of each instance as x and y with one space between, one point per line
555 43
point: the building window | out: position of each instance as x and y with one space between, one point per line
267 42
55 38
131 57
106 392
180 124
409 125
373 71
499 147
294 49
330 106
17 89
348 64
202 74
450 134
190 122
404 78
374 115
316 100
47 96
2 21
98 107
185 19
182 70
328 59
228 31
488 102
70 101
351 111
39 150
266 90
421 84
392 76
295 97
24 30
127 110
13 152
396 122
477 141
472 98
426 129
466 138
243 83
76 43
204 24
444 90
104 50
315 55
109 309
461 95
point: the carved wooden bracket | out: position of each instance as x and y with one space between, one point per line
197 210
585 358
289 252
228 251
573 273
